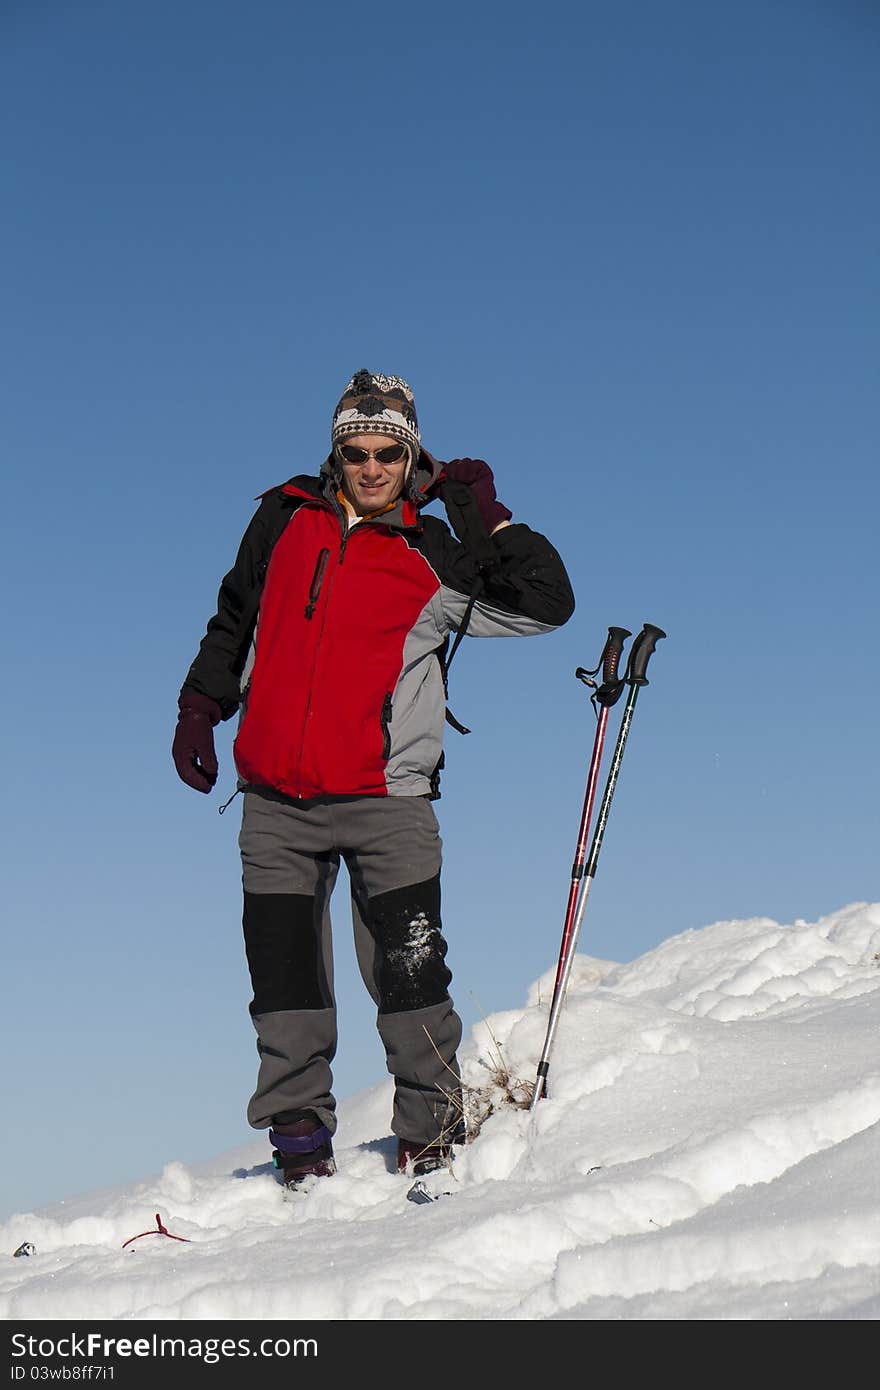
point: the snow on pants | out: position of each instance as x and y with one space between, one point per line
290 854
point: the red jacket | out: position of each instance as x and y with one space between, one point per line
338 679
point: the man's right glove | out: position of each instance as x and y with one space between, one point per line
193 746
477 475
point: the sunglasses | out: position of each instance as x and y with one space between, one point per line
392 453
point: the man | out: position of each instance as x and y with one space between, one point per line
328 641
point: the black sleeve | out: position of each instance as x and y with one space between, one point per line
529 580
216 671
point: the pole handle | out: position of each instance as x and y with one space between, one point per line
610 690
640 654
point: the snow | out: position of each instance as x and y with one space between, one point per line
709 1149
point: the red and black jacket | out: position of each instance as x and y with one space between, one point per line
327 638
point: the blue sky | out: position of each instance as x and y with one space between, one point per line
629 255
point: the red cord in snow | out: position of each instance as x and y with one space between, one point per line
160 1231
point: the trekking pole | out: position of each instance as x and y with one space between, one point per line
602 698
635 678
607 694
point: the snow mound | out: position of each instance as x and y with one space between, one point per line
708 1149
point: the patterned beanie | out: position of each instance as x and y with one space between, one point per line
376 404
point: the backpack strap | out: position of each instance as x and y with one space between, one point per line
467 523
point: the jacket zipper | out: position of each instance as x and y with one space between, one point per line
314 591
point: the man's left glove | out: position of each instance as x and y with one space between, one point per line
193 746
477 475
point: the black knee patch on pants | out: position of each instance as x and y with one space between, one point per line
405 925
282 938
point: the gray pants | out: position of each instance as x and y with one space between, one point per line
290 853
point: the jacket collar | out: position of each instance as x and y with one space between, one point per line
403 516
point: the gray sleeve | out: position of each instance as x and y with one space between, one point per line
488 619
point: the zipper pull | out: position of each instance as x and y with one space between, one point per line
317 580
221 809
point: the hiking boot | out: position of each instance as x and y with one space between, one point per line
303 1147
420 1158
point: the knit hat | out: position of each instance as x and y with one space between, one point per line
375 404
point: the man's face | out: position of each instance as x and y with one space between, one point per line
371 485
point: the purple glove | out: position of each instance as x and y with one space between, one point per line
193 746
477 475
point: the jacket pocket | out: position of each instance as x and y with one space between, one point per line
385 721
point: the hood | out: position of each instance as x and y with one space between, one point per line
427 471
